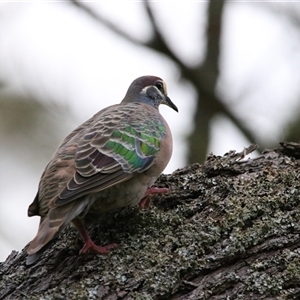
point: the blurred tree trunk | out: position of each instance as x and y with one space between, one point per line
228 229
205 80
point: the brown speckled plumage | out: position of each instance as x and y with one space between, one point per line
108 162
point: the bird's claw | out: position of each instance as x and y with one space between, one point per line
90 246
145 202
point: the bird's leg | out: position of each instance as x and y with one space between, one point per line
145 202
89 245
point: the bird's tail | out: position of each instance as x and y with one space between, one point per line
41 242
56 220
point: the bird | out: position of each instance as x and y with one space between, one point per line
111 161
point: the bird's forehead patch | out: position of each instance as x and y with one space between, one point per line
165 87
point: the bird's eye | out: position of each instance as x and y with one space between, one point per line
160 86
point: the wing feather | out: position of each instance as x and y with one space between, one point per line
117 146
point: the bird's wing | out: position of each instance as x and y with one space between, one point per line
122 142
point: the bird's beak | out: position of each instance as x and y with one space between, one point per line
168 102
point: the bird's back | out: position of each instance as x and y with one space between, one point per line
118 126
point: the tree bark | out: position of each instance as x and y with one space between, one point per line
227 229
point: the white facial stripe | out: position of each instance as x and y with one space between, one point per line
144 90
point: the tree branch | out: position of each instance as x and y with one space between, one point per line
158 42
227 229
103 21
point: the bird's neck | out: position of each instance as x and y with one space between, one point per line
142 99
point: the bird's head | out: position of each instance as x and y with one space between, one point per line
151 90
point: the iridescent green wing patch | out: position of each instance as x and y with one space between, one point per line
135 146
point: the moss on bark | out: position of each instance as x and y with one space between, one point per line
227 229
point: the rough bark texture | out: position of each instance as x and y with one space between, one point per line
228 229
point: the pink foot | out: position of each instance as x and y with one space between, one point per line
155 190
90 246
145 202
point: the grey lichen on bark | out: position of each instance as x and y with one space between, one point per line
227 229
